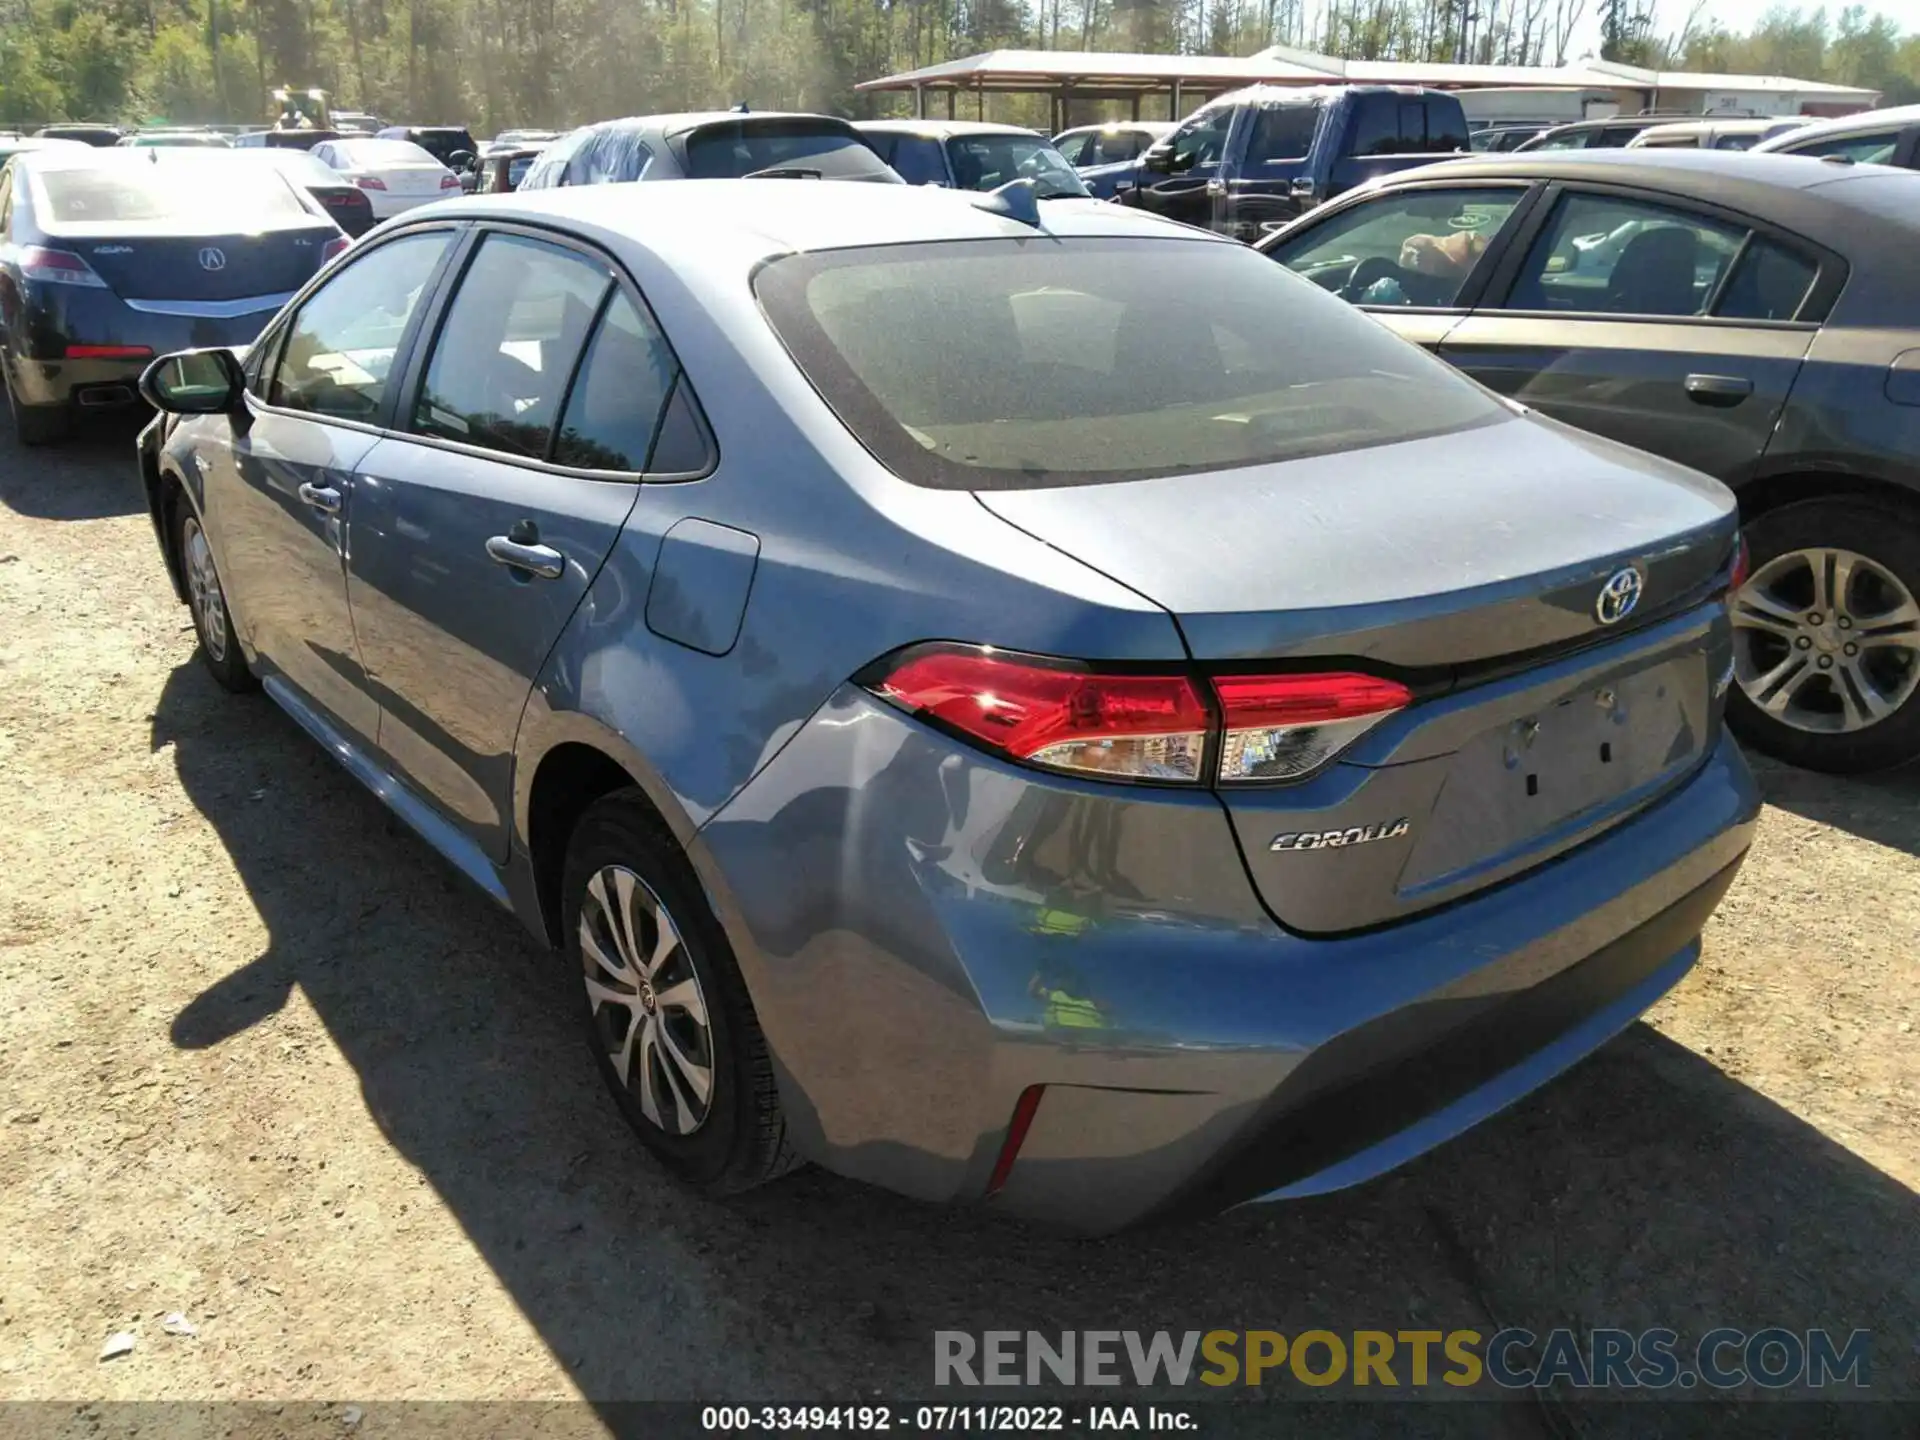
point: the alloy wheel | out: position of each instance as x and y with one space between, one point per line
203 590
1826 640
648 1008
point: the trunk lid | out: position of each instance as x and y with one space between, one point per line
412 179
1471 567
146 266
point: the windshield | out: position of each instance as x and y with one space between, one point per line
195 198
730 149
986 162
1016 364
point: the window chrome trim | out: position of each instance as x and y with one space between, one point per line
211 309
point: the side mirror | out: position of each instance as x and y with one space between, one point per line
1302 190
194 382
1157 160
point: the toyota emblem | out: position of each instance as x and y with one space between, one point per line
212 258
1618 596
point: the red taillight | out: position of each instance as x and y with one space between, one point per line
371 182
57 267
1059 713
108 352
1284 727
449 182
1742 564
1024 1109
334 249
1066 715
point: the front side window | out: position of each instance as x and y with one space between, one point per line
1415 247
507 348
1608 255
1202 140
1873 149
990 365
340 347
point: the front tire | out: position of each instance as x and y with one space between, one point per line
1827 637
666 1011
212 623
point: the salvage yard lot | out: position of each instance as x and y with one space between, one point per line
264 1061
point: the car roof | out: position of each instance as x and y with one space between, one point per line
680 122
1892 118
1614 122
1806 195
1108 127
699 224
941 129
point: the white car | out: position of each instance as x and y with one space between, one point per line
396 174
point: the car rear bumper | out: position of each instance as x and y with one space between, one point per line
42 375
927 934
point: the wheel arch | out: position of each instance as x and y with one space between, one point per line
1770 492
572 762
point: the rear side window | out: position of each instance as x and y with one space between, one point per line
1282 132
622 387
1605 254
507 347
993 365
1446 125
733 148
340 346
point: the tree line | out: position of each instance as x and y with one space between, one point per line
497 64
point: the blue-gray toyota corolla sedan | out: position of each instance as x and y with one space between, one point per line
1016 701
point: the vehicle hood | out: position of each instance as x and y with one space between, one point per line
1482 543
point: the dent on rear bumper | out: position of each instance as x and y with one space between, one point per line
926 932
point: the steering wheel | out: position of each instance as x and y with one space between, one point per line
1366 273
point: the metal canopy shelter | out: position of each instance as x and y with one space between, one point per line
1187 80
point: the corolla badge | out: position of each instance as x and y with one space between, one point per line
212 258
1618 596
1339 839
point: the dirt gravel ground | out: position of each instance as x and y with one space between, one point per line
264 1062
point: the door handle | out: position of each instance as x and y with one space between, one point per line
542 560
323 498
1718 389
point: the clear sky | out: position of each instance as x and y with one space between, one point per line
1736 15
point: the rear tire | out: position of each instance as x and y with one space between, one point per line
665 1009
1827 637
207 599
37 425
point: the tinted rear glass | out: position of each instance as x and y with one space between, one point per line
733 148
198 198
1010 364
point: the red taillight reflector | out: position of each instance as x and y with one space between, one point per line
449 182
108 352
1285 727
371 182
1024 1110
1059 714
1742 564
334 248
58 267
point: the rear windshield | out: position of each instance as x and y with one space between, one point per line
198 197
1023 364
441 144
733 148
382 152
986 162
